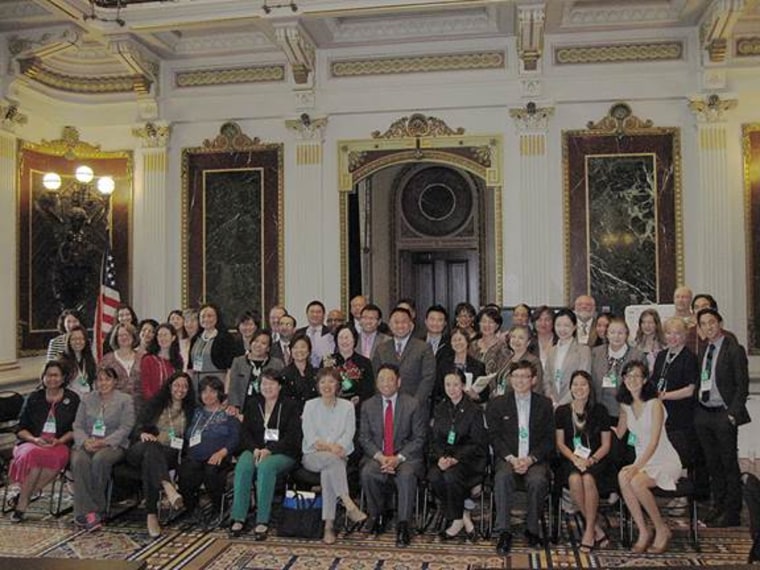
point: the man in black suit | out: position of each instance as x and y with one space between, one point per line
436 325
413 357
281 348
521 432
392 434
322 342
722 396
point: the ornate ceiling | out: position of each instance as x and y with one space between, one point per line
117 47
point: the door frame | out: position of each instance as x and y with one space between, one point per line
420 138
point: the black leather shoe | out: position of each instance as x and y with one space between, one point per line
376 525
504 545
713 515
533 539
402 535
754 552
725 521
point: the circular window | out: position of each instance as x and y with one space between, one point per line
436 201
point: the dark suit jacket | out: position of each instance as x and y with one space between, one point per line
222 350
409 429
287 412
446 363
416 365
731 377
302 330
501 417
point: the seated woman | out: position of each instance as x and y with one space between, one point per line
460 359
78 361
161 360
458 452
357 377
643 415
271 444
583 441
329 424
245 373
300 377
159 442
44 436
212 437
101 435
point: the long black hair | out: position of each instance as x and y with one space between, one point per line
163 399
175 357
648 388
69 358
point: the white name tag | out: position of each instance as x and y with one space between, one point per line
609 381
195 439
99 430
705 385
176 443
49 426
271 434
468 380
198 364
582 451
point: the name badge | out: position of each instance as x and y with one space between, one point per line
610 381
99 428
523 433
501 388
195 439
661 384
49 426
271 434
198 363
632 439
705 384
176 443
251 388
582 451
467 380
452 437
346 385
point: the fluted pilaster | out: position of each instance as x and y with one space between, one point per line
533 202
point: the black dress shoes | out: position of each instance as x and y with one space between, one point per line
402 535
713 515
504 545
725 521
533 539
376 525
754 552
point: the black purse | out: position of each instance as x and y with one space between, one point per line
301 515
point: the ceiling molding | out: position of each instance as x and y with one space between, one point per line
418 64
229 76
619 53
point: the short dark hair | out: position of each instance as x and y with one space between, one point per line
438 309
491 313
61 368
707 297
213 382
565 312
540 310
317 303
389 366
523 364
303 337
261 332
465 306
272 374
401 310
291 317
709 311
249 315
456 372
372 307
648 389
349 328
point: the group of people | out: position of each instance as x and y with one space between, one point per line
564 395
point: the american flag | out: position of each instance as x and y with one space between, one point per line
108 300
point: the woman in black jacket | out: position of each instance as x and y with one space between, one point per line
458 452
271 443
212 349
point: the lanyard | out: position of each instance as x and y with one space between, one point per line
614 364
663 381
208 421
263 417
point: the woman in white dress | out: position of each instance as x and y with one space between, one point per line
643 416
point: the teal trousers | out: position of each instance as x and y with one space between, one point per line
266 473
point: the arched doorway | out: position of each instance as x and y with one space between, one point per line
421 215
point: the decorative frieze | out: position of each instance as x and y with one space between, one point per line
417 125
712 109
91 85
748 47
532 118
418 64
229 76
153 135
619 53
308 128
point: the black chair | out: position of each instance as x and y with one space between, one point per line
10 410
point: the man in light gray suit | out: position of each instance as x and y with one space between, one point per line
413 356
370 336
392 434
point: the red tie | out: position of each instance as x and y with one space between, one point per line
388 430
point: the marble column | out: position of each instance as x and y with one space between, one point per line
304 216
534 201
716 227
11 117
150 262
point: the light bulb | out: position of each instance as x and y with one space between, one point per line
51 181
84 174
106 185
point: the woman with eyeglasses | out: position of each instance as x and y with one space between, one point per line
642 418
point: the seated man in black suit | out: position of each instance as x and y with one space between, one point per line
521 433
392 434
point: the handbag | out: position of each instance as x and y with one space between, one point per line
301 515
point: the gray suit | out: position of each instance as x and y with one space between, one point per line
416 367
409 433
379 339
601 367
557 385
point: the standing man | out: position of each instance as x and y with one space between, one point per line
370 336
335 318
722 396
275 313
682 299
413 357
585 311
355 307
392 435
521 432
322 342
436 323
281 348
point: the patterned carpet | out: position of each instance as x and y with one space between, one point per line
182 546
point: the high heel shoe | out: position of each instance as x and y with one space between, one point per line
357 518
154 528
641 546
655 549
329 536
